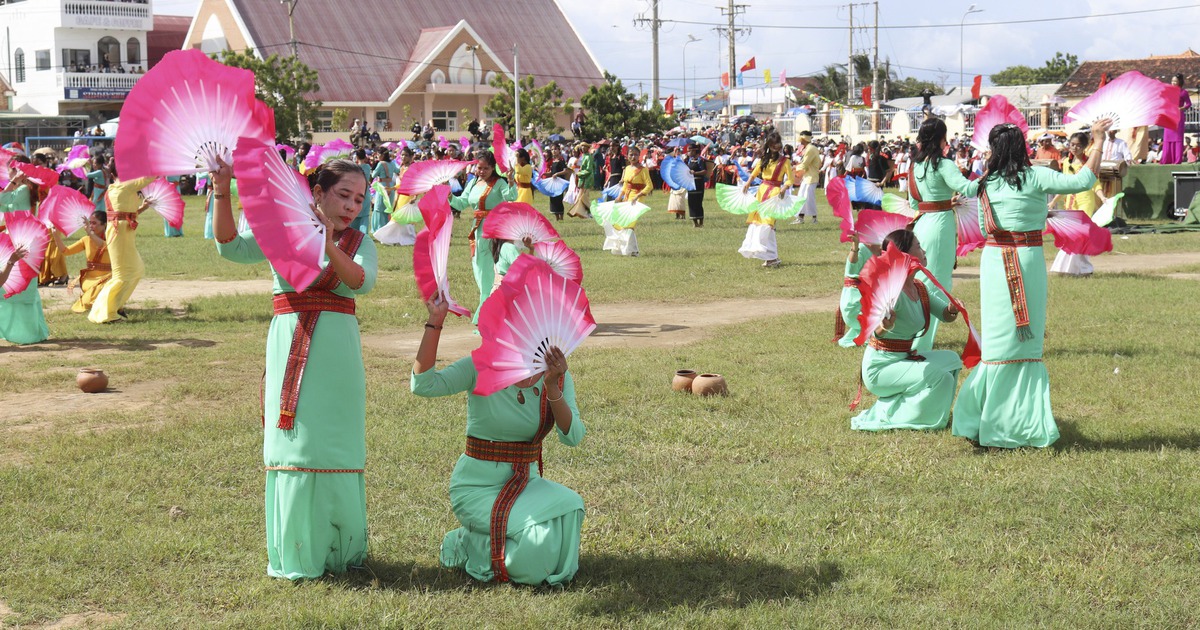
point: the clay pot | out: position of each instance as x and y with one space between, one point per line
709 385
91 381
683 381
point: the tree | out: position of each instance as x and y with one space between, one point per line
283 83
1056 70
341 118
539 105
910 86
833 82
612 112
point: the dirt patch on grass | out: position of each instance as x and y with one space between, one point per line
1116 262
36 411
91 619
172 294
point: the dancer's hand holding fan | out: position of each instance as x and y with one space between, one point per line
506 156
26 232
880 284
734 200
66 209
1107 211
18 275
1130 100
164 198
431 253
532 312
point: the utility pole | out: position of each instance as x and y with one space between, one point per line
876 92
295 46
655 25
516 96
731 31
850 61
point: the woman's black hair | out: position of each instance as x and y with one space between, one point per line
1083 137
902 239
524 155
330 173
496 245
385 156
487 158
360 154
930 137
1179 76
765 152
1010 156
100 216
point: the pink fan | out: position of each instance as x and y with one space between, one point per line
966 216
506 157
465 143
20 276
535 310
514 221
562 259
39 175
27 231
6 157
336 149
998 111
432 249
185 113
839 201
77 161
288 151
1075 233
537 157
66 209
443 143
422 176
1131 100
880 283
872 226
280 212
164 199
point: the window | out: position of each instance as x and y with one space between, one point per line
324 121
76 59
133 51
437 77
108 49
42 58
19 66
381 121
445 120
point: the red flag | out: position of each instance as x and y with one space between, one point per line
749 66
1103 80
866 96
724 79
976 86
669 106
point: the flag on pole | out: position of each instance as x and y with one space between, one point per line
782 78
741 78
724 79
1103 80
767 76
976 86
669 107
748 66
866 96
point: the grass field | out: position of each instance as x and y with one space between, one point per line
761 509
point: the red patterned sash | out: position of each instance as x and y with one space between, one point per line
309 304
1008 242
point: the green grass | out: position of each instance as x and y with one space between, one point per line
758 510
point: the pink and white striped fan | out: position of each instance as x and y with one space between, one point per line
1075 233
839 201
872 226
422 176
880 284
20 276
280 212
431 253
1131 100
562 259
515 221
6 157
76 161
336 149
164 199
998 111
66 209
966 217
537 157
39 175
27 231
533 310
185 113
506 156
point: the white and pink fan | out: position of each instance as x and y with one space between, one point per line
897 205
39 175
537 158
21 275
506 156
998 111
66 209
880 283
165 199
533 310
77 161
966 217
1131 100
515 221
280 212
1075 233
6 157
185 114
336 149
839 202
431 253
422 176
872 226
562 259
27 231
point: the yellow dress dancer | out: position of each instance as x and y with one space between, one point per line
124 206
523 175
776 173
54 265
98 271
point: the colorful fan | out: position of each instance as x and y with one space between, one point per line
839 202
185 114
431 253
562 259
872 226
780 207
443 143
514 221
379 192
1075 233
456 186
676 174
731 199
336 149
880 283
537 158
533 310
1107 211
407 214
506 157
1130 100
863 190
27 231
998 111
744 175
21 275
626 214
66 209
422 176
602 211
288 151
966 216
76 161
6 163
551 186
465 143
280 213
897 205
610 193
39 175
164 199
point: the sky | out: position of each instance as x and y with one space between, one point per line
932 54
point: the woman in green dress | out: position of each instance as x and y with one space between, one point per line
486 191
915 390
1005 401
314 441
497 485
22 319
932 183
384 173
100 178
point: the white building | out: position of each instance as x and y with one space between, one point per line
73 57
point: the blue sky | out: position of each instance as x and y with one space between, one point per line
931 54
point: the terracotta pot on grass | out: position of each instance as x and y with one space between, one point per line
91 381
683 381
710 385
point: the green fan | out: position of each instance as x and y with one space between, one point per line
731 199
626 214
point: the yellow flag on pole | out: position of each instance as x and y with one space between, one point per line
767 76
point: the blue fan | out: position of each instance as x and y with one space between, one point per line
676 174
863 190
743 175
610 193
455 187
551 186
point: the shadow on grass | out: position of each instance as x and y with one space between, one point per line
94 344
1072 439
633 330
1103 351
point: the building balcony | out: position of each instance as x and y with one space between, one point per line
108 14
460 88
96 86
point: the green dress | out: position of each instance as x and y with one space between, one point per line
936 231
22 320
912 394
386 174
99 185
363 220
850 304
545 522
316 521
1005 400
482 262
